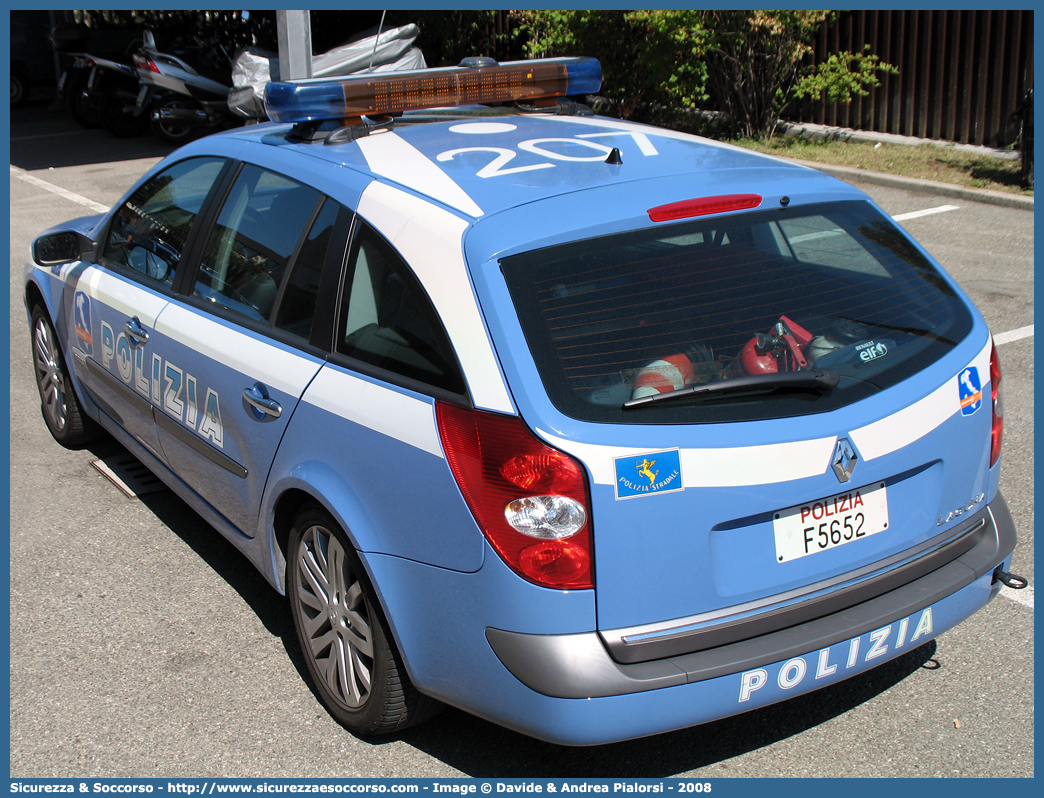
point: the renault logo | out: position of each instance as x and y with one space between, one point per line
844 460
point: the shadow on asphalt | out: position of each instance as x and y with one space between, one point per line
217 552
44 135
482 749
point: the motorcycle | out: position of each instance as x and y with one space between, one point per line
193 89
185 90
380 51
117 88
81 86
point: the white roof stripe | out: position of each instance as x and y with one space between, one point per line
429 238
391 156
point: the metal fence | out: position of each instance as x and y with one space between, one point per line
962 74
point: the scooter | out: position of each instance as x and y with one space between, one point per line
379 51
74 43
117 88
184 91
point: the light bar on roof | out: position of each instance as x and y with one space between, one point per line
392 92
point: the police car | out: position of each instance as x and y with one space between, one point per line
592 429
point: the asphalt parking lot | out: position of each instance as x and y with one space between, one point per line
144 645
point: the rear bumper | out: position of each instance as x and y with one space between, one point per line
586 666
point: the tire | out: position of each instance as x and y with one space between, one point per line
61 409
356 671
171 131
19 87
83 107
120 123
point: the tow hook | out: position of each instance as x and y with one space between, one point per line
1009 580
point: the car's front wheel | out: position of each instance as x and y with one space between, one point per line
352 660
65 419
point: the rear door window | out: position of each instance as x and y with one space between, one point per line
299 295
250 248
833 286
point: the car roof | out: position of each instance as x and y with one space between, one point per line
530 179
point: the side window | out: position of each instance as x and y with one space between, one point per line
301 292
250 247
387 319
147 234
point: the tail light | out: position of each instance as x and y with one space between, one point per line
702 206
530 500
997 433
145 63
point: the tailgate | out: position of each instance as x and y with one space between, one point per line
696 546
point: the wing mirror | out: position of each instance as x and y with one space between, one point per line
64 246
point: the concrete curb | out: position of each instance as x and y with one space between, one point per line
851 174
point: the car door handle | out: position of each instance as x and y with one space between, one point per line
136 331
257 399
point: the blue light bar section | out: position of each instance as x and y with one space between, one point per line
303 101
393 92
584 76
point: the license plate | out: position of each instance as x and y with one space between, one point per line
828 523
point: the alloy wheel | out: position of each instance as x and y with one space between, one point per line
336 620
50 375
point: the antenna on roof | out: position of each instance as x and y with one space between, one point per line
376 41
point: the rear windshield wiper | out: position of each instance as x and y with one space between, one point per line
820 380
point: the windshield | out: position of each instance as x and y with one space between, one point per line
833 287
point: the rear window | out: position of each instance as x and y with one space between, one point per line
834 288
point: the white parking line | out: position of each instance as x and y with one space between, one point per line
24 176
926 212
1014 335
47 135
801 239
1023 597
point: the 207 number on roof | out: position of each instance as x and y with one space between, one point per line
498 166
